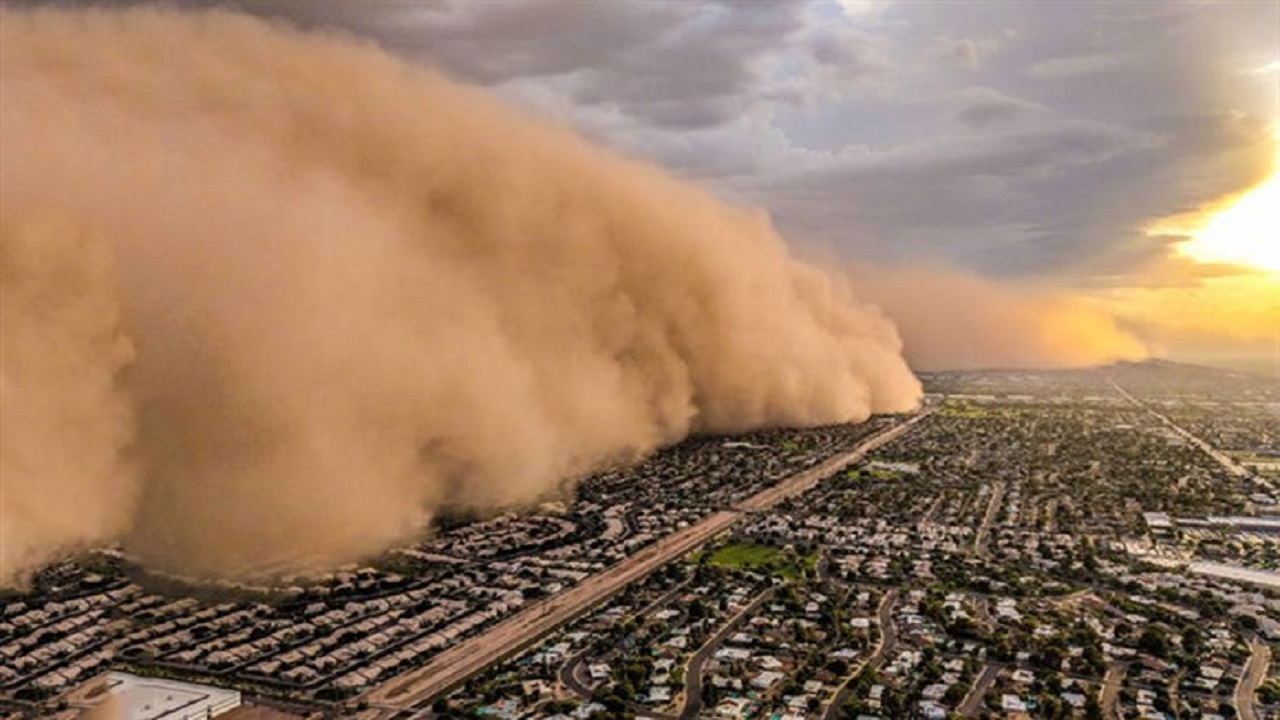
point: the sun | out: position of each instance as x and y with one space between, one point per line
1246 232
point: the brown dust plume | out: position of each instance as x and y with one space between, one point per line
950 319
270 298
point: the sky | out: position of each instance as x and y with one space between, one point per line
1063 145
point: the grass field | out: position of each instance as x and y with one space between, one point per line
956 408
762 558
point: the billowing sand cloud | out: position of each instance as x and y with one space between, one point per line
952 320
271 298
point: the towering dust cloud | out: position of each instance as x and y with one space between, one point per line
271 298
950 320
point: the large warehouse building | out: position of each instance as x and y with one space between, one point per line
143 698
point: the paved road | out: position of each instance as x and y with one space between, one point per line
571 677
693 671
1261 655
1110 691
1222 458
1051 515
983 606
1175 699
933 508
451 667
823 565
1254 672
802 481
972 702
571 673
888 636
993 507
471 656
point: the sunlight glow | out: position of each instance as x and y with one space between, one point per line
1245 233
1267 69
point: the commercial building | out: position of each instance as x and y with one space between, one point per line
143 698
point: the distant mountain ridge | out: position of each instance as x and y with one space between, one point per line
1167 367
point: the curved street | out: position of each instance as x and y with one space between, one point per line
570 673
1254 672
570 676
693 672
888 636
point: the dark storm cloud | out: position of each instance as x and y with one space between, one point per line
664 64
1096 220
965 53
1072 127
1011 138
702 73
970 191
489 42
1028 200
847 53
980 108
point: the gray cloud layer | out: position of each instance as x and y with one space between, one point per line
1078 122
270 298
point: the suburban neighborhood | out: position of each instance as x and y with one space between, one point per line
1035 545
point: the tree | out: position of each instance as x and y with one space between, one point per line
1051 656
1270 693
1192 641
1051 707
1153 642
992 699
894 703
1001 649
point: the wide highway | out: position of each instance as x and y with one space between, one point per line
453 666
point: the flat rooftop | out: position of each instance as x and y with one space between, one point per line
144 698
1265 578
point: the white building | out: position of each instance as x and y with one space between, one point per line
143 698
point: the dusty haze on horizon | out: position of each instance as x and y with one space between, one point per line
950 319
270 298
